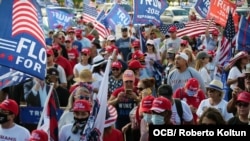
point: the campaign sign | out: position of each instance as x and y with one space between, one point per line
117 16
22 42
201 7
32 115
148 11
219 10
62 16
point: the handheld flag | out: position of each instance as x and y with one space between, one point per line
93 130
22 42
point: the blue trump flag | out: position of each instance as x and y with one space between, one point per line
60 15
117 16
201 7
146 12
242 39
22 42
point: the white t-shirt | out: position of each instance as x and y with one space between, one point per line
66 118
65 134
205 76
176 43
187 113
79 67
222 107
16 133
233 74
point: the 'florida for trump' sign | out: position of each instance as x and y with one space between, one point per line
22 43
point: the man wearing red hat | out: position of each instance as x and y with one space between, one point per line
9 130
72 52
243 109
172 42
191 94
81 110
39 135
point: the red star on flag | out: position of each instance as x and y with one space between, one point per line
10 58
2 55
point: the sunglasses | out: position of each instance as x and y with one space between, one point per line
247 77
211 90
242 104
83 97
67 42
84 54
48 55
183 45
139 88
128 81
115 69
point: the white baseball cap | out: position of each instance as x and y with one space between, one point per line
182 55
111 38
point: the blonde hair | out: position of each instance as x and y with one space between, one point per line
191 57
198 64
71 98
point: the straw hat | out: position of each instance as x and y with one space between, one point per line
216 84
85 76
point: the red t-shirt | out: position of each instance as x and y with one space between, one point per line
73 56
65 64
190 100
115 135
121 89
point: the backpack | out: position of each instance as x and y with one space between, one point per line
179 109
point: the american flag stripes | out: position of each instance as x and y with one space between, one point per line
189 28
228 41
195 28
164 27
89 15
25 20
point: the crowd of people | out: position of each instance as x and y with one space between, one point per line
172 83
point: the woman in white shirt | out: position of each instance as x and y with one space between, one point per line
237 65
202 58
152 55
215 99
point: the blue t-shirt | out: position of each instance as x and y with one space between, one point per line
48 41
124 47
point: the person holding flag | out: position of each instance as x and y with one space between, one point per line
81 111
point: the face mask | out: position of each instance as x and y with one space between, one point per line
3 118
147 117
190 93
157 120
83 33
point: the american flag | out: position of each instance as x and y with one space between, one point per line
25 20
195 28
164 27
89 15
189 28
224 53
228 41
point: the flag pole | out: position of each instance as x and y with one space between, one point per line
46 103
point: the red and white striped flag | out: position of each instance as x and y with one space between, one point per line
89 15
195 28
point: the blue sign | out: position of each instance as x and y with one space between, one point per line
201 7
22 41
32 115
117 16
146 12
60 16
